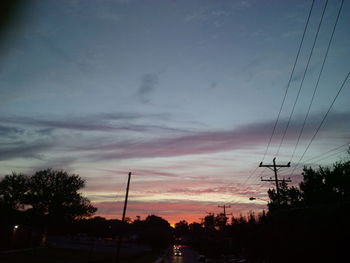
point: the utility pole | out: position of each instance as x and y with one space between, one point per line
274 167
126 197
224 207
123 219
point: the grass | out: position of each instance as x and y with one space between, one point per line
56 255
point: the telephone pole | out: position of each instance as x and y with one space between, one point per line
120 237
274 167
224 207
126 197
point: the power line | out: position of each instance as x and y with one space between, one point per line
325 155
236 199
318 79
324 118
244 183
251 174
287 88
312 164
333 154
331 150
303 78
290 78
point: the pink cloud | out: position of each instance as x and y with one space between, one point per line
172 211
246 137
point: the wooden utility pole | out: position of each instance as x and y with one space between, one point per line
126 197
274 167
224 207
120 237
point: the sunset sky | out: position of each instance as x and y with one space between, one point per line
184 94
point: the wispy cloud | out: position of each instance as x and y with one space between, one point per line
239 5
25 150
168 141
207 14
10 132
149 82
101 122
248 136
236 189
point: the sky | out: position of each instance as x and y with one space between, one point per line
183 94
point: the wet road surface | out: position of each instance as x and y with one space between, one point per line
187 256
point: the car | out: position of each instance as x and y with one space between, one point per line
177 252
238 260
201 258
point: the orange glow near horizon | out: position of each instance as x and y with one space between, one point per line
171 219
189 199
172 212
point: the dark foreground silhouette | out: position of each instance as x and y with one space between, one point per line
307 223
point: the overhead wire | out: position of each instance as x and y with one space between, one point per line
318 80
331 150
303 78
331 155
290 78
289 83
314 92
325 155
286 91
323 119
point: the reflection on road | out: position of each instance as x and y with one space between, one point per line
187 255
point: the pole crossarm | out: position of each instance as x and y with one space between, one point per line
224 207
225 214
279 180
275 167
274 164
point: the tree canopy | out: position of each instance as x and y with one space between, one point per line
53 194
321 186
13 188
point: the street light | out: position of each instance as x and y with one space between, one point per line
14 234
255 198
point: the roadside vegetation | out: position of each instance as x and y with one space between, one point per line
309 222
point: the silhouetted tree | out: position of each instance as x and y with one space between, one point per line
181 228
13 189
220 221
209 221
156 232
316 227
55 194
326 184
47 193
289 197
195 228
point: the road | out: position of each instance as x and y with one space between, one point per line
93 245
191 256
188 256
